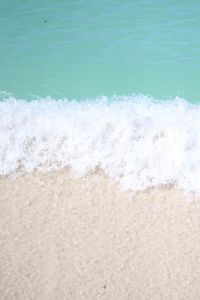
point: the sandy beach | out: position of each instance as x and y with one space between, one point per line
99 150
64 237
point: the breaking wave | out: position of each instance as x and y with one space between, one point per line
139 141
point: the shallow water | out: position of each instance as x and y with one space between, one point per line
83 49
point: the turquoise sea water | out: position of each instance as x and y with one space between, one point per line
132 52
82 49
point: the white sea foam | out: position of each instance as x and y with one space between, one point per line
136 140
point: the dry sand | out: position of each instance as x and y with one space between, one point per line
67 238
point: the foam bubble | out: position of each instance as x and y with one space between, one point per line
136 140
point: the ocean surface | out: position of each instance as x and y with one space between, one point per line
80 49
102 84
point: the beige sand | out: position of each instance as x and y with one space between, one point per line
65 238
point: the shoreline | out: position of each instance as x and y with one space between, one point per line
85 238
